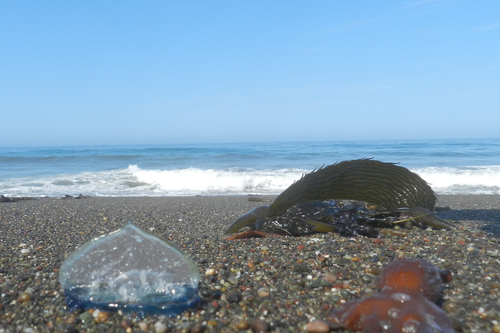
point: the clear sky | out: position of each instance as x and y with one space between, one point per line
160 72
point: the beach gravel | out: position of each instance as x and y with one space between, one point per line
278 284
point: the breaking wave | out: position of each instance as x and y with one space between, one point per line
463 180
134 181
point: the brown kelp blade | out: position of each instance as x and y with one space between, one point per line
250 217
426 217
384 184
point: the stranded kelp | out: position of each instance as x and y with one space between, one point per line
130 270
305 206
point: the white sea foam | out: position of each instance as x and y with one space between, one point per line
464 180
197 181
135 181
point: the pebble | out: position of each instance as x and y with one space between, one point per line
259 325
373 270
126 324
160 327
242 325
24 297
210 272
25 251
143 326
95 313
263 292
330 277
85 317
234 297
102 317
317 326
492 253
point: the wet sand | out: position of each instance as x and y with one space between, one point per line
276 282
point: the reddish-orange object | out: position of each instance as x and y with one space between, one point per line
405 303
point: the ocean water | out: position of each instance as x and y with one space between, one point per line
449 166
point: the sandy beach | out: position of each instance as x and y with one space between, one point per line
273 283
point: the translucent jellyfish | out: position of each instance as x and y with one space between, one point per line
131 270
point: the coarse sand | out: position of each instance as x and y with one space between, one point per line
275 283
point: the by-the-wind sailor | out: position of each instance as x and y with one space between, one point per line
130 270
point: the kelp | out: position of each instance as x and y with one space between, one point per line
385 185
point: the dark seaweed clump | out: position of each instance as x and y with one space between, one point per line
352 219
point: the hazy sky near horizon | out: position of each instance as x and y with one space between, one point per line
160 72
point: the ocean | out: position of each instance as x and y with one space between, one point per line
449 166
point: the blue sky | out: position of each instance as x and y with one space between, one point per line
160 72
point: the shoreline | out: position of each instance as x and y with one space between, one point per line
288 268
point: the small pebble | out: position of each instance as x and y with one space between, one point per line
317 326
373 270
234 297
95 313
70 318
85 317
492 253
330 277
259 325
160 327
210 271
496 328
143 326
242 325
126 324
24 297
25 252
263 292
102 317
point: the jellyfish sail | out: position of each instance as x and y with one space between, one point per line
130 270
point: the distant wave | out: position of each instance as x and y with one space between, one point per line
135 181
211 181
463 180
